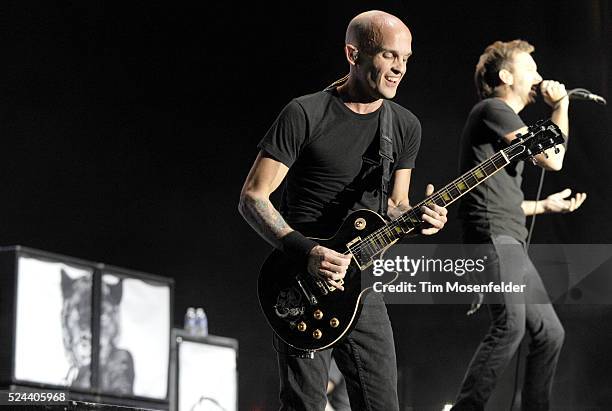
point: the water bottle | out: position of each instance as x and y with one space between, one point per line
190 320
201 323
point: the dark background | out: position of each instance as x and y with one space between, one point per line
128 128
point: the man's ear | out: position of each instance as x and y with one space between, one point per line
506 77
352 54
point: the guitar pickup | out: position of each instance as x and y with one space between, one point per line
353 241
323 287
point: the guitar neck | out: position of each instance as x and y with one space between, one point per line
454 190
404 224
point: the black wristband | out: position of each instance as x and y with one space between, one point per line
297 245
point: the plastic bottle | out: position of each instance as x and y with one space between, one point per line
190 321
201 322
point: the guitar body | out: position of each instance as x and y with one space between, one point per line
305 313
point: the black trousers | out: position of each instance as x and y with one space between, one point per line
366 358
511 316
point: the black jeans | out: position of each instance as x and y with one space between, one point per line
511 315
338 398
366 358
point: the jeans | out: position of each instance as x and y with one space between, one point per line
511 315
338 398
366 358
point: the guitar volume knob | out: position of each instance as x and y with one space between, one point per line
318 314
360 223
317 334
334 322
301 326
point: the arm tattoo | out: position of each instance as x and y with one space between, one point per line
265 219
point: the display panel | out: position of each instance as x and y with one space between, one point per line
134 336
53 323
207 376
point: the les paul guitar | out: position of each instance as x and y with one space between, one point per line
310 315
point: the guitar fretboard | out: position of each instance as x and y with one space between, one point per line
378 240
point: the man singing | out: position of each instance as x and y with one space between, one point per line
494 213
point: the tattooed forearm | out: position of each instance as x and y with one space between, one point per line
264 218
270 217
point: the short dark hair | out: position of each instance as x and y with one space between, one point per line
495 58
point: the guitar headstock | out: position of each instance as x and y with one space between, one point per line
539 137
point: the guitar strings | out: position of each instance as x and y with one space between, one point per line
379 234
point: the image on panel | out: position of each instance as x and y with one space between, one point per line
134 336
53 328
207 377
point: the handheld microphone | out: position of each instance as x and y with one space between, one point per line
584 94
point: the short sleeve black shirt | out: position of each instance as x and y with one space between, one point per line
333 160
493 207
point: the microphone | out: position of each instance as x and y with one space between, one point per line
584 94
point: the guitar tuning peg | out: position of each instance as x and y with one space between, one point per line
541 149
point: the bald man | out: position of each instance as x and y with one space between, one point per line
326 144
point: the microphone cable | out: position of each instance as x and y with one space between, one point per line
582 94
531 226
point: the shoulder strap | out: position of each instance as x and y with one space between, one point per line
386 155
386 147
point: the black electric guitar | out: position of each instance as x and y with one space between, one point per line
310 315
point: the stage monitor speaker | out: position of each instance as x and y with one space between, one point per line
205 373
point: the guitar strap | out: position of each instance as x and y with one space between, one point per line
385 131
386 155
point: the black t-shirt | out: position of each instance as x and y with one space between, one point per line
332 153
493 207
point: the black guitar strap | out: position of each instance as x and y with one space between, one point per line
386 155
385 130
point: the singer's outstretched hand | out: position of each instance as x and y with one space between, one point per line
559 202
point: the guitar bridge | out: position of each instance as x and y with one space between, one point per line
309 296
